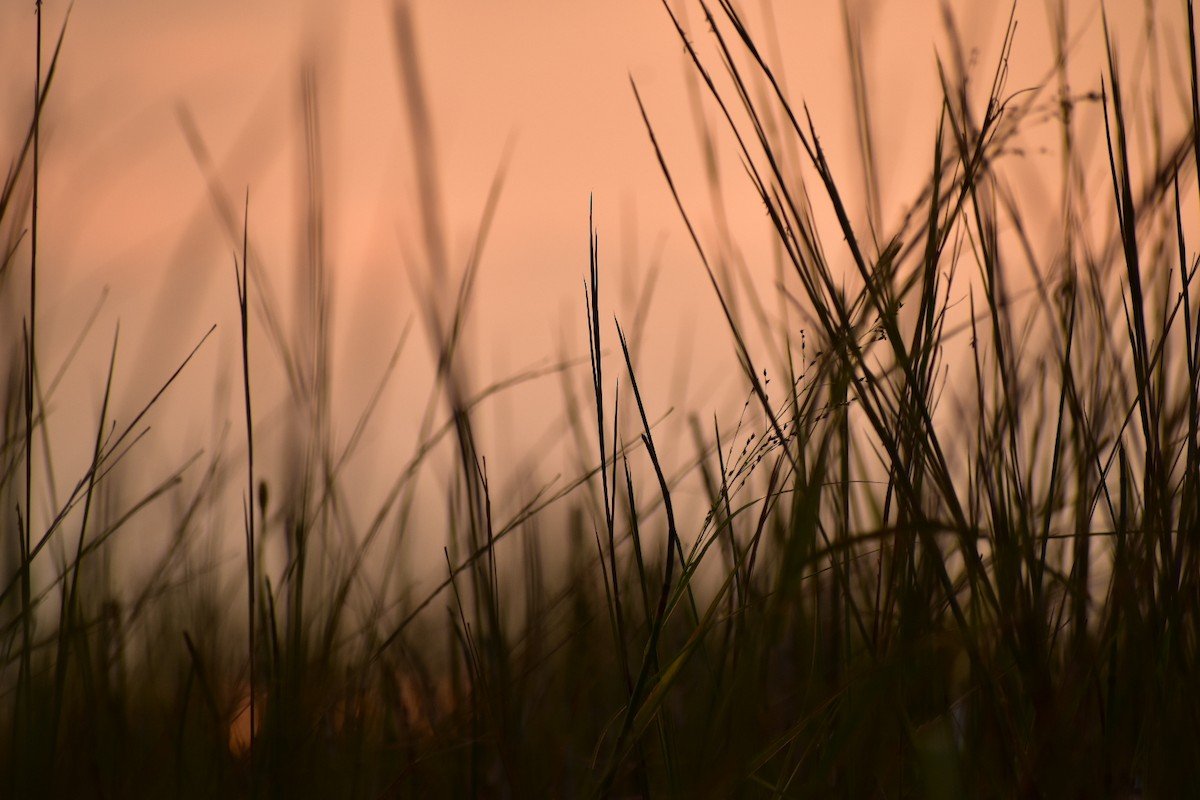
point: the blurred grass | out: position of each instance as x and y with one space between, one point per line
917 576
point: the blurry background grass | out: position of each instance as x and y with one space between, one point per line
947 543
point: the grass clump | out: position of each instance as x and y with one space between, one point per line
949 553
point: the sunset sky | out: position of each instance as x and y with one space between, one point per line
126 206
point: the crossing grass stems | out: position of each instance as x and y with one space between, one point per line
911 586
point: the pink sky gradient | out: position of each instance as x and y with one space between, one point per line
125 205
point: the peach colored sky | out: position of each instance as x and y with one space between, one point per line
126 207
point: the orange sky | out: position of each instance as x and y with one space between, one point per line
125 205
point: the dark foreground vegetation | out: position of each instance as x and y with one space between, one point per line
907 585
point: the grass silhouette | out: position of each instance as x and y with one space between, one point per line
905 584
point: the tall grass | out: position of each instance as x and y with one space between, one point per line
948 542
